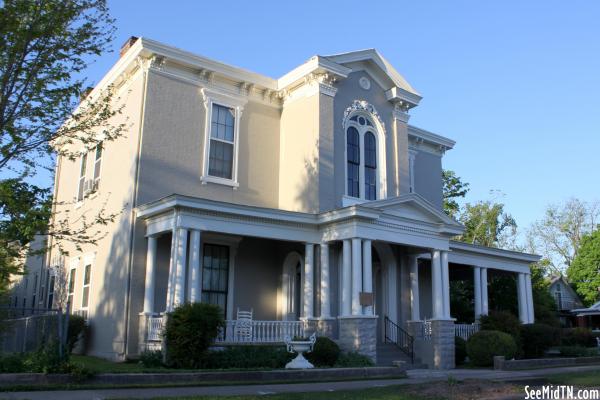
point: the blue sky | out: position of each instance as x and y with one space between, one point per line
515 83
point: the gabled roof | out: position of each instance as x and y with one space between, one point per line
591 310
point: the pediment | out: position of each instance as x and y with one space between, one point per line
413 207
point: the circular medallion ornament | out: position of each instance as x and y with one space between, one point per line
364 83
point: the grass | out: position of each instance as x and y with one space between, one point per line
383 393
590 378
101 366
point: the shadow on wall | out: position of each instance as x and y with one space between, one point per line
307 188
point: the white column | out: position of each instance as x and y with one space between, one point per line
356 276
195 270
445 283
181 262
367 276
528 288
346 278
325 287
172 273
436 285
477 290
309 256
522 297
150 274
415 313
484 291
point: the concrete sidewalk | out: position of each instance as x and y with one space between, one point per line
414 377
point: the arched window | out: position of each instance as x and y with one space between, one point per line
353 154
370 166
361 157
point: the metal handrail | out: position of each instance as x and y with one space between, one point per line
398 336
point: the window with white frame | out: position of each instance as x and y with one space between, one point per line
81 181
222 142
85 291
97 165
362 175
71 292
51 292
221 137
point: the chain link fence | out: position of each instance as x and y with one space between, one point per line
24 330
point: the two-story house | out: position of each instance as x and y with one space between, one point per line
307 199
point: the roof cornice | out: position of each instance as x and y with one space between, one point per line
491 251
431 138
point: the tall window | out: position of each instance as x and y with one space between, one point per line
85 295
215 275
51 292
97 165
361 158
221 142
71 286
353 151
370 166
81 183
35 282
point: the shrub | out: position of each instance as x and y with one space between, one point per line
191 328
325 353
151 358
502 321
537 338
77 327
484 345
460 350
12 363
577 351
46 360
353 360
242 357
577 337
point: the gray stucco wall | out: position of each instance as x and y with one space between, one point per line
428 177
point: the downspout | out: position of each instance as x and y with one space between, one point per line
134 195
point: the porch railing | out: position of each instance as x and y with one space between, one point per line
465 331
237 331
155 328
398 336
426 327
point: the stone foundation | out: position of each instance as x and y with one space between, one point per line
359 333
326 327
442 340
311 325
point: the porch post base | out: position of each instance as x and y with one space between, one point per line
359 333
326 327
442 341
415 329
143 332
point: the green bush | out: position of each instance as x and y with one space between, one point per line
151 358
484 345
353 360
12 363
577 337
502 321
77 327
325 353
243 357
460 350
46 360
537 338
191 328
578 351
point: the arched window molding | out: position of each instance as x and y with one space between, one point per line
363 117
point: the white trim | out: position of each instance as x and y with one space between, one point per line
88 259
237 104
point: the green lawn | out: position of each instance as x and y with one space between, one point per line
387 393
100 365
590 378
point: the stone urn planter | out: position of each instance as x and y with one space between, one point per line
300 347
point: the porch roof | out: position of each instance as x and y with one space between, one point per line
407 219
592 310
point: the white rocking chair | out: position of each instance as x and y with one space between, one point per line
243 326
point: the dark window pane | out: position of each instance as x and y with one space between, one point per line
370 183
215 270
221 159
370 150
353 154
86 275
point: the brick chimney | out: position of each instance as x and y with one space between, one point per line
128 43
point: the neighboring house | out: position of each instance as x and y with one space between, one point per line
566 300
307 199
588 317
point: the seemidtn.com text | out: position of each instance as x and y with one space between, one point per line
560 392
